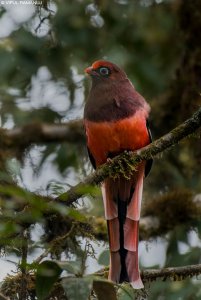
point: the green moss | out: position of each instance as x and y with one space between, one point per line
173 208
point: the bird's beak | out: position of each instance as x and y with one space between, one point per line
89 70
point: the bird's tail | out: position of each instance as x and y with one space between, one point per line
122 203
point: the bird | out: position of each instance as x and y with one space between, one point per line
116 120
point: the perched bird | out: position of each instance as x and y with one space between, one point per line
115 120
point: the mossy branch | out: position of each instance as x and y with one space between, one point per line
126 162
172 273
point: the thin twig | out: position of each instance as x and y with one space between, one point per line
60 239
23 265
41 22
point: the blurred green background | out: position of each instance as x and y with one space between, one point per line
43 52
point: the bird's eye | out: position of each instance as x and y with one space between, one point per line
104 71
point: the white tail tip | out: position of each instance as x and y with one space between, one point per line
137 284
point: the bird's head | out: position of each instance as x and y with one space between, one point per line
102 70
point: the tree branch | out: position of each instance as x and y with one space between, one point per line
41 133
126 162
173 273
2 297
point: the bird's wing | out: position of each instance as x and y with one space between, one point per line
150 161
92 159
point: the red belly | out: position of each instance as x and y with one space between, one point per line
114 137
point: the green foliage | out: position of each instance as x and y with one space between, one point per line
48 273
174 291
126 292
104 258
77 288
103 288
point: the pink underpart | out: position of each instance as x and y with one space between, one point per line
134 208
113 228
115 267
130 235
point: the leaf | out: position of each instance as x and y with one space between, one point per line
72 267
77 215
104 258
77 288
47 274
104 289
126 292
94 191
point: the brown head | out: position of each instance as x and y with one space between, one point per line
112 95
104 71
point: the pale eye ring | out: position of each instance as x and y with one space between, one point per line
104 71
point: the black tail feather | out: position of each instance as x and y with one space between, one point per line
122 209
